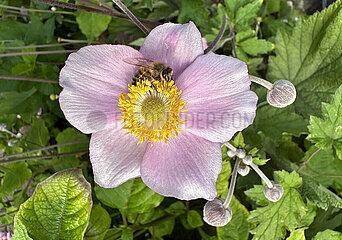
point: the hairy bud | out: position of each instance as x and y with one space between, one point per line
247 159
240 153
230 153
273 194
3 126
215 214
282 94
243 169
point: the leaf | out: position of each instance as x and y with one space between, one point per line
99 223
15 176
194 219
328 234
20 232
222 180
297 235
127 233
245 14
59 208
238 227
70 135
323 163
92 24
38 136
326 133
12 30
193 10
132 196
310 57
274 219
254 46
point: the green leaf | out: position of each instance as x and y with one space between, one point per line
328 234
274 219
99 223
222 180
326 133
92 24
70 135
127 233
257 194
38 136
59 208
310 57
12 30
193 10
15 176
20 232
323 163
132 196
245 14
254 46
297 235
238 227
194 219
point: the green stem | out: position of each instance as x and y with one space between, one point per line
36 53
34 10
20 78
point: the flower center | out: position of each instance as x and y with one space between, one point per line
151 112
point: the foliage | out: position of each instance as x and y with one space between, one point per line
47 188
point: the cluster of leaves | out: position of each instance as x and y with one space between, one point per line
303 141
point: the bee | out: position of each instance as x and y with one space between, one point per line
150 70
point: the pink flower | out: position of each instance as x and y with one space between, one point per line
214 89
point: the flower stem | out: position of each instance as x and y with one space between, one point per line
232 184
34 10
131 16
230 146
20 78
36 53
42 149
36 46
42 157
262 175
219 35
261 82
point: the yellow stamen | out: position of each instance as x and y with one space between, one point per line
151 112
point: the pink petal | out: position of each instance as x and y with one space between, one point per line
187 167
175 45
220 103
92 79
115 157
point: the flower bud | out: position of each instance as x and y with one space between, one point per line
240 153
247 159
282 94
243 169
273 194
231 153
3 127
215 214
11 143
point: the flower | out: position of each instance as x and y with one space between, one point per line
208 102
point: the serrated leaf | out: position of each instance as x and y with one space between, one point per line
193 10
92 24
327 132
297 235
286 214
254 46
98 225
38 136
127 233
328 234
20 232
15 176
257 194
238 227
310 57
59 208
245 14
222 180
194 219
132 196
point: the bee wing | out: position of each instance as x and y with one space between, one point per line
138 61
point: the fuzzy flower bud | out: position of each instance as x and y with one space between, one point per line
231 153
240 153
243 169
247 159
282 94
273 194
3 127
215 214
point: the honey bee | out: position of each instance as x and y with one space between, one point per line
150 70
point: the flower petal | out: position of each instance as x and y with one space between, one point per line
115 157
220 102
187 167
92 79
175 45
